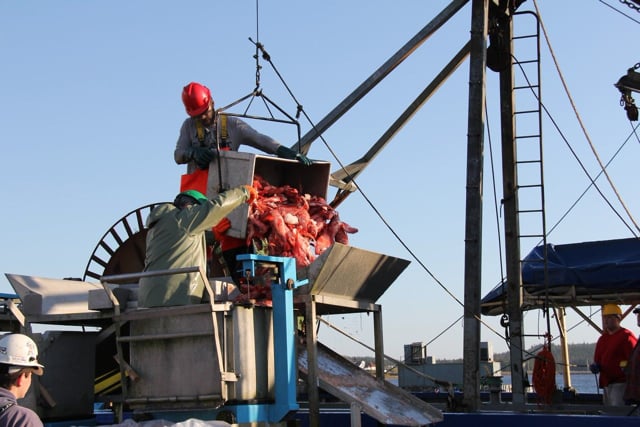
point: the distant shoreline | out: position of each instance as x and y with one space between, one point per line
558 372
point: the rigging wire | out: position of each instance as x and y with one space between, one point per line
397 362
300 110
583 167
620 12
257 92
495 194
592 181
586 134
444 330
399 239
531 353
633 132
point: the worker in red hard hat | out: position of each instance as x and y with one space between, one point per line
611 356
205 131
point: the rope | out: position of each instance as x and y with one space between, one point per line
301 112
584 130
633 133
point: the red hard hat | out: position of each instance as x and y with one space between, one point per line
195 98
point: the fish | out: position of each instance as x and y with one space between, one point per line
293 224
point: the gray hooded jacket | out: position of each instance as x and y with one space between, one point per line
176 239
239 133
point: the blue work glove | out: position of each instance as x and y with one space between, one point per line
594 368
287 153
202 156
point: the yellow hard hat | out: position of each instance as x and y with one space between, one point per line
609 309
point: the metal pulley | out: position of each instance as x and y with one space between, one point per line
628 83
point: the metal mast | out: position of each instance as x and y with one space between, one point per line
473 226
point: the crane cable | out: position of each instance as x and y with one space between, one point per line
301 111
592 183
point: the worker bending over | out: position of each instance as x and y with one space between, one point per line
176 239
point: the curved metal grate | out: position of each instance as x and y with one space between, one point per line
122 248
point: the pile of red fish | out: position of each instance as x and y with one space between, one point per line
256 290
284 222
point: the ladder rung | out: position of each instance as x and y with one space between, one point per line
538 236
528 61
531 211
527 112
533 135
527 162
525 186
524 37
532 161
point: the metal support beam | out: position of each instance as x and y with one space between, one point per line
473 226
564 347
380 74
343 177
379 344
313 382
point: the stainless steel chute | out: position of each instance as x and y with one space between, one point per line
350 277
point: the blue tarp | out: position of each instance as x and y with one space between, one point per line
578 274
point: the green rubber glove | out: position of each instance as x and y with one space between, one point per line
287 153
202 156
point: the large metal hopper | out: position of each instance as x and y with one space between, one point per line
44 296
349 277
56 300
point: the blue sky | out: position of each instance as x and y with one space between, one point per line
90 111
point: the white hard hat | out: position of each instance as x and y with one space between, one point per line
19 351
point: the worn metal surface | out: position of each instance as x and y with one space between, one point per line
379 399
174 356
69 361
174 373
239 168
354 274
249 347
42 296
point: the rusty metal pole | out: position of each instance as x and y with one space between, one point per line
473 226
